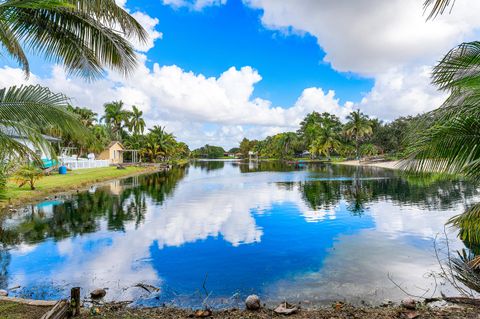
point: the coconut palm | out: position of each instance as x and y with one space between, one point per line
84 36
86 116
326 142
136 123
116 117
358 127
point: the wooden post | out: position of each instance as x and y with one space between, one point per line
75 301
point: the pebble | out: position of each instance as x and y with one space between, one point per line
98 293
409 303
252 302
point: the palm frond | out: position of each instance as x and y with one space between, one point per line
460 68
469 224
438 7
29 109
448 146
85 36
13 47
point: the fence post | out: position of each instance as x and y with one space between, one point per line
75 301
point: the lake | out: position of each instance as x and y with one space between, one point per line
312 233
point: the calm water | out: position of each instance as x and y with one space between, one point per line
314 233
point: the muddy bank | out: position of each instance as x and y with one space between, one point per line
453 312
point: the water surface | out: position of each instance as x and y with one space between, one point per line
311 233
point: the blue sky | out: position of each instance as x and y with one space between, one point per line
215 71
218 37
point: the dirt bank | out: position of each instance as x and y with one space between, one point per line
456 312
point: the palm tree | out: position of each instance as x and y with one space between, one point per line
79 35
358 127
136 123
84 36
326 142
86 116
116 117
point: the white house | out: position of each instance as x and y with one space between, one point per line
44 154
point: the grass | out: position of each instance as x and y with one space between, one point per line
13 310
71 181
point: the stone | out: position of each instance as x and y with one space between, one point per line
3 293
252 302
409 303
98 293
285 309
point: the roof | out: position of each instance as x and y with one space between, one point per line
113 143
14 133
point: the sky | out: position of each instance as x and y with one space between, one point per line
215 71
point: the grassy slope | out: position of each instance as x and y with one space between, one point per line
13 310
72 180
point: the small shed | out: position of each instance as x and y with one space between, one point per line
113 153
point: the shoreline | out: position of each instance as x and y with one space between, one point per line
23 196
438 308
395 165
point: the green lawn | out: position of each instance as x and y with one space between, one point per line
72 180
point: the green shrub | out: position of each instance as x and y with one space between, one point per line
28 174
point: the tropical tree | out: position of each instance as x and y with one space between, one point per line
357 128
326 142
86 116
136 123
84 36
79 35
116 117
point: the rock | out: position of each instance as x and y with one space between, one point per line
3 293
409 303
203 313
412 314
285 309
386 303
98 293
252 302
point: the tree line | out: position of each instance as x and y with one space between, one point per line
123 125
323 135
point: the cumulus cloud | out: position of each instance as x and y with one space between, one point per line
390 41
198 109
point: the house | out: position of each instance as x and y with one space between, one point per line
42 152
113 153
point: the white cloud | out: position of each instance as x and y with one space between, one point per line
198 109
193 4
390 41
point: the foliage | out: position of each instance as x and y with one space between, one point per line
84 36
28 174
358 128
323 134
246 146
208 151
26 111
368 149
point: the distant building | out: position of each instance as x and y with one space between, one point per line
113 153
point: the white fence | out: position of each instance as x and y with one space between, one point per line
84 163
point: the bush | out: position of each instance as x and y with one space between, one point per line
28 174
